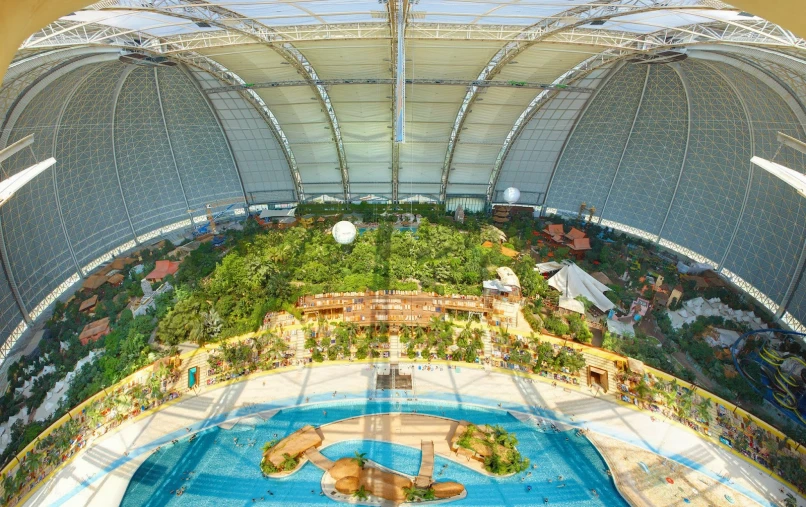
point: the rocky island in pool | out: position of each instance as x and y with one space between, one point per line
490 450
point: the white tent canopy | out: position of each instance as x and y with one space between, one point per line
572 281
277 213
572 305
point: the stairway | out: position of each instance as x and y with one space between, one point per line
299 335
488 344
394 347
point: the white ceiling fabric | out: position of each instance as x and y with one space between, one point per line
341 131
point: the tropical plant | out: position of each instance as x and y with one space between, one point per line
361 493
790 501
289 462
360 459
704 410
643 390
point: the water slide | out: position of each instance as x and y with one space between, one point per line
779 381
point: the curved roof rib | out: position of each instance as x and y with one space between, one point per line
545 29
72 33
195 31
203 13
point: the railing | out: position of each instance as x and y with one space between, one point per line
200 355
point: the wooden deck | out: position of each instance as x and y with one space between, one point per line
426 476
393 307
318 459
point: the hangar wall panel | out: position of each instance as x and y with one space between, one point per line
37 248
261 162
591 157
797 305
86 180
152 189
704 213
762 257
533 156
648 173
205 163
10 315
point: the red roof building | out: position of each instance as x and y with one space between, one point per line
94 331
574 234
115 280
163 269
92 282
555 232
580 244
88 304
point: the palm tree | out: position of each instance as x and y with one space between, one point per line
685 403
10 487
261 341
643 390
33 462
704 410
361 493
405 333
413 493
360 459
94 416
289 463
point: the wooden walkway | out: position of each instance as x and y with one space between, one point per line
318 459
426 476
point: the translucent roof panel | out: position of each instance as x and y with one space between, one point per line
307 12
147 22
501 12
646 22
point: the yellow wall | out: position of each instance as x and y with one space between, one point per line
790 14
21 18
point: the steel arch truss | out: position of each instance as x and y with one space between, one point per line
199 12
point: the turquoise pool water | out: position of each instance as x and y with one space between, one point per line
225 463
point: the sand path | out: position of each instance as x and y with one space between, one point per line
404 429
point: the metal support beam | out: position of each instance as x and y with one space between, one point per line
168 137
676 68
795 144
750 175
400 70
755 32
20 145
12 284
56 131
392 81
397 11
213 111
579 117
626 145
118 87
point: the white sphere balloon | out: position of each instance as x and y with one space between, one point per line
511 195
344 232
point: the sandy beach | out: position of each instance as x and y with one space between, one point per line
640 487
99 475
